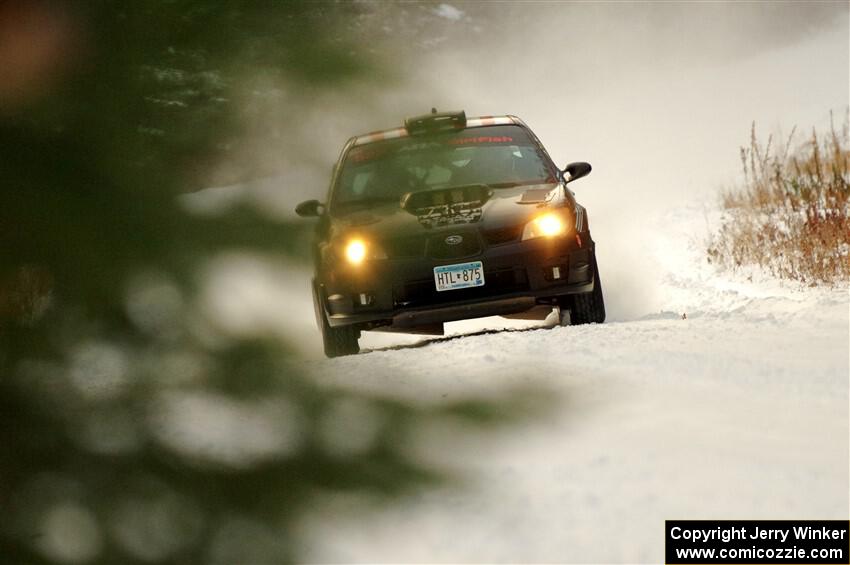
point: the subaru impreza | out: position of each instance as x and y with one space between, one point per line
449 218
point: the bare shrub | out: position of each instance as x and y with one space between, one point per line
792 215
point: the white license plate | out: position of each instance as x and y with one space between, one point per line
462 275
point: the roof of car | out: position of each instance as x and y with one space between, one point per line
402 132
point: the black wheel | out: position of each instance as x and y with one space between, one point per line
340 341
337 341
589 307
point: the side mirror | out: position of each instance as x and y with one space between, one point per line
310 208
577 170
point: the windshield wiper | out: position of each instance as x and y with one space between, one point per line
365 202
513 184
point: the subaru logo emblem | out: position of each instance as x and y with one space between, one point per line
454 239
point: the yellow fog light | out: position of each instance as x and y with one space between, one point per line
550 224
547 225
355 251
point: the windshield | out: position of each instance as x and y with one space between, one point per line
496 156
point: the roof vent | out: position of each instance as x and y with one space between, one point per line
435 121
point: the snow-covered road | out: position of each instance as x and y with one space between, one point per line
739 410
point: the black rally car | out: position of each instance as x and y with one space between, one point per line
449 218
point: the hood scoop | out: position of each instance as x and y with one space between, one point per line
447 206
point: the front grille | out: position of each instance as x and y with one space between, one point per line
502 235
410 246
497 282
438 248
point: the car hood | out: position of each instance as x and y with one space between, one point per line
501 208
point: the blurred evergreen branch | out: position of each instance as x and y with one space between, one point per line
130 431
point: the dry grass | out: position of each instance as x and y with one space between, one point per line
792 215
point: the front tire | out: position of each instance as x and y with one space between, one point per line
337 341
589 307
340 341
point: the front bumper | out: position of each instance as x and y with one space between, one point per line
400 293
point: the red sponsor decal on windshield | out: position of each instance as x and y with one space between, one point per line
481 139
367 153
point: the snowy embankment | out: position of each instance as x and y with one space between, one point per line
738 410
